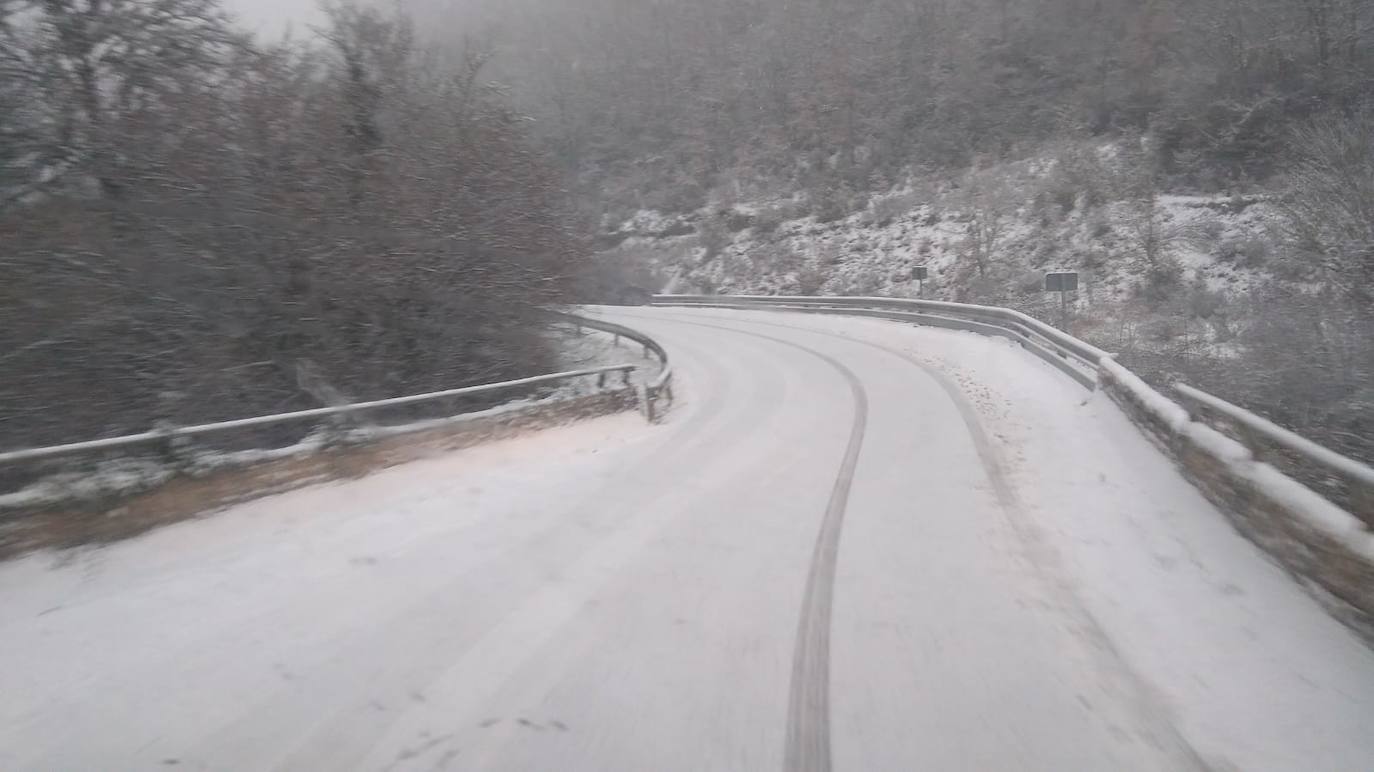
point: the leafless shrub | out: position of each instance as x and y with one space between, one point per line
1329 207
889 209
226 214
1248 251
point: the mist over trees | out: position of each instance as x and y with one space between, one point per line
688 107
196 226
207 226
660 103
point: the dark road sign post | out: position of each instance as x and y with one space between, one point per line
920 274
1062 282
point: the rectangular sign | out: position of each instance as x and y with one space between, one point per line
919 273
1061 282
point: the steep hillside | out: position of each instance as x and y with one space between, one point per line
987 237
1204 288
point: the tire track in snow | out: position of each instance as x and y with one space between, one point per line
1151 709
808 708
988 454
987 451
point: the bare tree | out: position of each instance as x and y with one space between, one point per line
362 211
1329 205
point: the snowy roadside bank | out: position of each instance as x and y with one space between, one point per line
134 497
132 491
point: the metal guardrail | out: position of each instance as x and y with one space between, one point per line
1354 481
1077 359
661 387
172 433
1073 357
1026 325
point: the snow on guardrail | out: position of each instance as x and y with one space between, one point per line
172 433
1346 481
661 387
78 492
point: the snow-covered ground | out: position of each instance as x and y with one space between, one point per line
1251 670
776 247
592 348
576 350
1020 581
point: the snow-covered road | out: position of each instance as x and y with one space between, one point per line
854 545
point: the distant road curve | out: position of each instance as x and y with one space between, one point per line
852 545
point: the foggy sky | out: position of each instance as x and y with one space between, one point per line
272 18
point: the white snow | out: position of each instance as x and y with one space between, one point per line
1217 445
1024 581
122 476
1255 674
1304 503
119 658
1226 244
1315 511
110 478
592 348
1168 411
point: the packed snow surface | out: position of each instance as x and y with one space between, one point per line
1022 581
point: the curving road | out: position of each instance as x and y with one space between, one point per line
853 545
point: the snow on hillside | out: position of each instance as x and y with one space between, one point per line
1018 227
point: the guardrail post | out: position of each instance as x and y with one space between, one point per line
172 448
1362 502
646 403
335 429
1258 449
